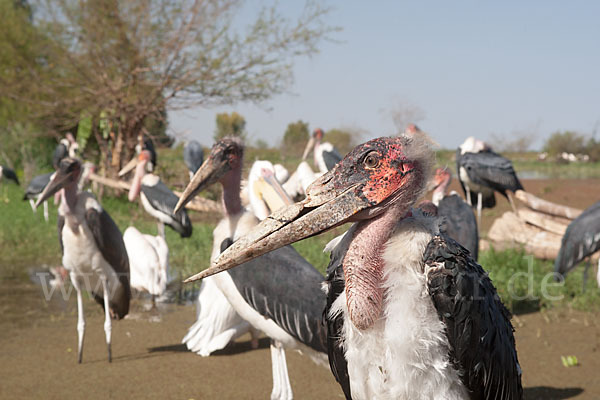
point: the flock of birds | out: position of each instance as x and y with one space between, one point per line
404 310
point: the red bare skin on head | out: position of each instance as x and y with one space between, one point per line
388 175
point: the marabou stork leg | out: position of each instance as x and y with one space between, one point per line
254 334
154 302
107 319
80 319
282 389
161 229
512 203
479 206
32 204
585 273
469 197
46 211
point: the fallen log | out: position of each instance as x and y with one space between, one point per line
197 204
546 206
544 221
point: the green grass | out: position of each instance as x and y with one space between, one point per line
523 282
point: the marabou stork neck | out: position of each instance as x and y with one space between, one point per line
93 249
458 219
158 200
581 240
193 156
285 303
409 314
482 172
326 156
9 174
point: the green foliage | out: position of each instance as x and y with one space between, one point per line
343 140
568 141
295 138
230 125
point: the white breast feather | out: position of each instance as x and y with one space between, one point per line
405 354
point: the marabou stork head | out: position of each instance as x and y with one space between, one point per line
376 176
68 173
225 156
316 137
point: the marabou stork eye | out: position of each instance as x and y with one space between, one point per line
372 160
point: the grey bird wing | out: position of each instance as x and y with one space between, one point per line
478 328
164 200
460 223
492 170
331 158
581 239
110 243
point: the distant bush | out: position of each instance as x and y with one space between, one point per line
294 139
567 142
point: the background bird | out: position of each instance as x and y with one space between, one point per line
581 240
8 173
285 303
193 156
92 247
325 154
409 313
482 172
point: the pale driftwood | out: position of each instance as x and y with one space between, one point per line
198 204
546 206
509 230
543 221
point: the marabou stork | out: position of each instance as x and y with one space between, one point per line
67 147
92 248
8 173
146 143
458 219
582 239
326 156
193 156
158 200
285 303
409 314
217 322
482 172
148 262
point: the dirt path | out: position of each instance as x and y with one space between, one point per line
38 357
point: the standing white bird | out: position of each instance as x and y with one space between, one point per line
409 314
148 262
92 247
157 199
325 155
285 303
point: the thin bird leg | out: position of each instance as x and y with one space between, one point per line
276 392
512 203
107 319
80 319
479 206
161 229
32 204
154 302
469 197
46 211
585 273
254 333
285 377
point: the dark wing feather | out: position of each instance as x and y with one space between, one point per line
331 158
193 155
149 145
60 151
335 347
492 170
110 243
283 286
36 186
478 328
459 223
581 239
60 224
164 200
9 174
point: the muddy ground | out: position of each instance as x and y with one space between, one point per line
38 346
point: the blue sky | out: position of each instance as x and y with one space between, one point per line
475 68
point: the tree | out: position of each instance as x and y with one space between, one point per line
294 139
568 142
230 125
403 113
343 139
122 63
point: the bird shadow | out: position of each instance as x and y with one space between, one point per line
550 393
231 349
